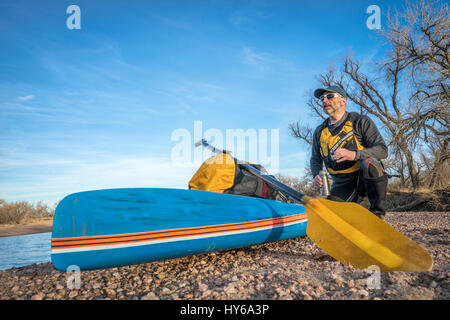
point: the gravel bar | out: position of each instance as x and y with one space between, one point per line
294 269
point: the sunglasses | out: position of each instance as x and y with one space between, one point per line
329 96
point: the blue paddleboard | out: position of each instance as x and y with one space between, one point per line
117 227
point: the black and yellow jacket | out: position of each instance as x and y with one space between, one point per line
354 132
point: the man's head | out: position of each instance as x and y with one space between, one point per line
333 100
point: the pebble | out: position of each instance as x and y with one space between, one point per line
38 296
150 296
165 291
230 289
202 287
363 293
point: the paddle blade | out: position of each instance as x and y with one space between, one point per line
351 234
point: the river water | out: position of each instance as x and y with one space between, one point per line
19 251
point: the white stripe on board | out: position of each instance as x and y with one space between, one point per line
183 238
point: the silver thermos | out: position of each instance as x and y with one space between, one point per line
325 189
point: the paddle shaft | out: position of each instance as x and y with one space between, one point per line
286 190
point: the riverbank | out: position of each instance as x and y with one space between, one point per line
36 226
289 269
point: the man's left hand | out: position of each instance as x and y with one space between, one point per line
344 155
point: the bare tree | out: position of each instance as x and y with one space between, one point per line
408 91
421 36
302 132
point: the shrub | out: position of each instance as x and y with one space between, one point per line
17 212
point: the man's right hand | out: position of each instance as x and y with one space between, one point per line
318 181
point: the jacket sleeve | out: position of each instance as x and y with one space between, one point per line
316 156
369 136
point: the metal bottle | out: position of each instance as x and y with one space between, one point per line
325 189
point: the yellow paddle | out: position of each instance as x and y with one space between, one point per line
350 233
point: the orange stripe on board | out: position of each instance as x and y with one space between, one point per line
171 230
174 233
287 218
149 239
180 233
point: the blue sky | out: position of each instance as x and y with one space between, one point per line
95 108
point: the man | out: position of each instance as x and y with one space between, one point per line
350 146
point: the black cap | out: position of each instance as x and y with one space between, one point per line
319 92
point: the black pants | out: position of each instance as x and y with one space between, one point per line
369 180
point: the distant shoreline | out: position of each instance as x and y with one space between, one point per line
39 226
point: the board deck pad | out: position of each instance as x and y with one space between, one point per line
117 227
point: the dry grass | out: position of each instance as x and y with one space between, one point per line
21 212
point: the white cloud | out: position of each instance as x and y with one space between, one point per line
255 59
72 176
25 98
67 176
264 61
